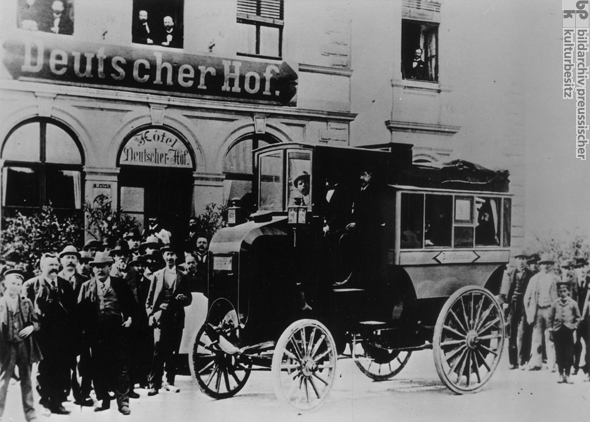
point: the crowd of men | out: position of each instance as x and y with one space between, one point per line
548 315
108 319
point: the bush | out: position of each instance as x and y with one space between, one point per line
25 238
106 224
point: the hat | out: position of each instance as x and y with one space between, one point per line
301 175
121 248
93 243
135 262
566 263
581 262
151 242
14 271
546 259
85 256
70 250
521 254
533 258
101 258
566 283
166 248
151 258
132 234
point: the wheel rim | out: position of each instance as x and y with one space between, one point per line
468 339
382 369
304 365
218 374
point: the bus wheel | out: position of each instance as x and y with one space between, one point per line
304 365
377 363
218 373
468 339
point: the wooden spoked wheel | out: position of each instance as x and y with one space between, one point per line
219 374
378 363
468 339
304 365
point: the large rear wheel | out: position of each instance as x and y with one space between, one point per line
468 339
304 365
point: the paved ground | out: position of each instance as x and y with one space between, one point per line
416 394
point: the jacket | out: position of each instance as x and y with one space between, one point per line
156 297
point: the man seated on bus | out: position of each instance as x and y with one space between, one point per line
300 196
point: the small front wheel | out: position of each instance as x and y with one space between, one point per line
304 365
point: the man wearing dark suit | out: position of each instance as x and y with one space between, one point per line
583 330
516 284
107 308
171 36
69 258
367 226
417 69
168 295
54 302
57 22
141 30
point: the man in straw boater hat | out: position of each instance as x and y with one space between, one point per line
168 295
540 294
107 308
517 282
54 302
18 347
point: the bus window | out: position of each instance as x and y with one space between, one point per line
463 237
300 178
412 213
271 182
507 223
487 231
438 222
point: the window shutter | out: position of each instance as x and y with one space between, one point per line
269 11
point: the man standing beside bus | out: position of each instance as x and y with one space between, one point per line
540 294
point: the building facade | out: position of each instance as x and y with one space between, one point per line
158 104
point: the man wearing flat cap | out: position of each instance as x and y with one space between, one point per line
533 263
517 281
69 258
540 294
54 302
168 295
18 347
107 309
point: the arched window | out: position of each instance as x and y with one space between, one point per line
42 166
238 167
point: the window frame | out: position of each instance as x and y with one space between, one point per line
409 46
258 20
503 232
42 167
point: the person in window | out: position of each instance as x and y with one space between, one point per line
141 31
171 36
57 22
418 67
485 232
301 195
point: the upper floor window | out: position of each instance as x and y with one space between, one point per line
42 166
158 22
54 16
261 27
419 50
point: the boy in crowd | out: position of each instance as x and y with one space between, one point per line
563 321
17 345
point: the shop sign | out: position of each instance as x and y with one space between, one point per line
156 148
153 69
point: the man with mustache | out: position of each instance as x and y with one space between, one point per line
168 295
69 259
54 303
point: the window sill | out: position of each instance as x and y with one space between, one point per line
259 56
420 85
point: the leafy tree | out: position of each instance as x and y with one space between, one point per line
24 238
211 220
106 224
562 246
